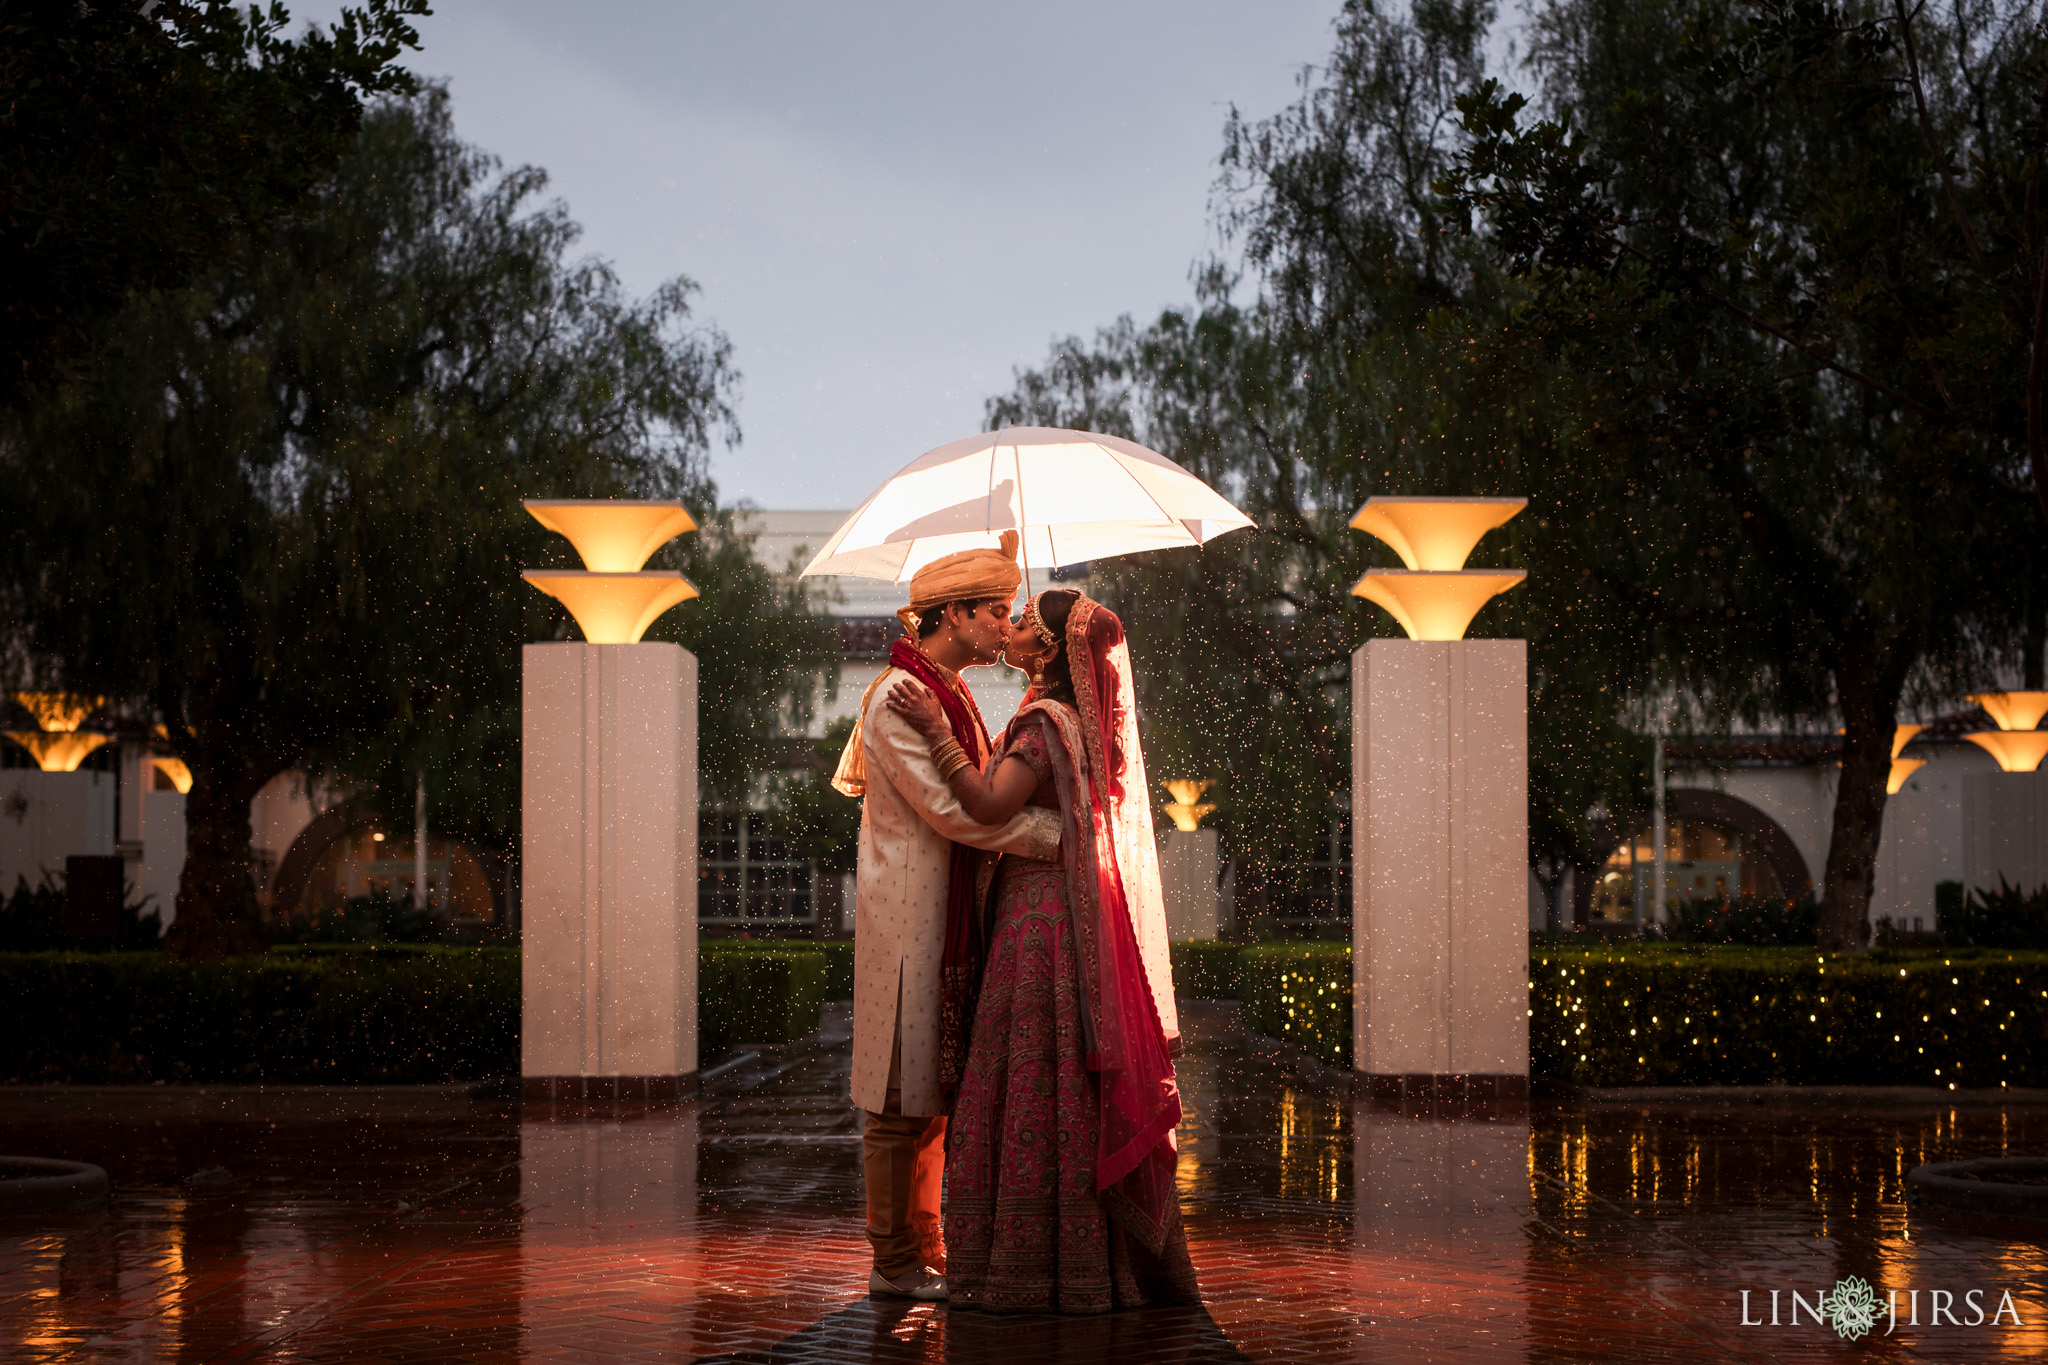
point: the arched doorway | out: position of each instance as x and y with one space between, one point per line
1716 847
347 852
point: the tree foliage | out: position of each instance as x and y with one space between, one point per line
280 508
135 137
1362 367
1789 254
1752 313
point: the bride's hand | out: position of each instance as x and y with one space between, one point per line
921 709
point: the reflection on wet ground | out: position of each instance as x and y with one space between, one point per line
402 1225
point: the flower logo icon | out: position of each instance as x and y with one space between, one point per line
1851 1307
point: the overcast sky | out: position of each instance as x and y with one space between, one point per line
888 205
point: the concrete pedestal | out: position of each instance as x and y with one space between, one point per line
1440 884
609 872
1188 869
2005 830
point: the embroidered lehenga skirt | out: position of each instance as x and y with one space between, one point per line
1025 1229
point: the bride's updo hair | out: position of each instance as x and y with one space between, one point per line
1056 678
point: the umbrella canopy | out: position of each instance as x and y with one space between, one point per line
1072 496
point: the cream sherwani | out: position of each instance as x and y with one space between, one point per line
909 822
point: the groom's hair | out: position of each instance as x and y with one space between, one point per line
929 619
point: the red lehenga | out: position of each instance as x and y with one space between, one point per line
1060 1163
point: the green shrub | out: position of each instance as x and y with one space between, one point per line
1746 919
758 993
340 1013
1667 1015
359 1017
2005 918
838 953
1299 993
1205 969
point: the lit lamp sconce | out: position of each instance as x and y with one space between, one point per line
176 770
1436 596
2016 744
614 599
1186 809
58 746
1903 768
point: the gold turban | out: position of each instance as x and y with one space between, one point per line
965 575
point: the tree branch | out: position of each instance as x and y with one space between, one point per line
1955 200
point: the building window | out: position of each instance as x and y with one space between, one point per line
1316 894
1703 862
751 878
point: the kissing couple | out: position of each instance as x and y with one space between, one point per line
1014 1024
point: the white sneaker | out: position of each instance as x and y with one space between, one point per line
926 1284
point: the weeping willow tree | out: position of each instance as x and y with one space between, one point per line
280 508
1357 367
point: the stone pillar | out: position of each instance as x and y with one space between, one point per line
1188 868
1440 880
2005 830
609 872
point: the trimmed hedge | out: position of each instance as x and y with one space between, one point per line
838 954
339 1013
1299 993
1683 1014
757 993
1669 1015
1205 969
364 1016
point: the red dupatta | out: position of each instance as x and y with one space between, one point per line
1129 1032
966 937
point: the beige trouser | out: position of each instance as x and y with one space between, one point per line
903 1158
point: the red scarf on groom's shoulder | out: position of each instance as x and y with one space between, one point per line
960 964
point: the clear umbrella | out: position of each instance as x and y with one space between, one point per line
1072 496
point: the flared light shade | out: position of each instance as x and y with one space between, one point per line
1435 605
2014 710
59 712
2017 751
176 770
1901 737
1902 768
60 752
613 608
1187 808
1434 533
613 535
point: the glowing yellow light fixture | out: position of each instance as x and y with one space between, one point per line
1187 808
59 713
1435 605
58 747
2016 744
58 753
2017 751
613 608
1902 736
176 770
2013 710
612 535
1902 768
1436 534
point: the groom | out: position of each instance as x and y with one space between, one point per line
916 940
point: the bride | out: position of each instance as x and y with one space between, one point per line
1060 1189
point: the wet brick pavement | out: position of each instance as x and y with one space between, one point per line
423 1225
